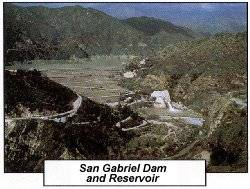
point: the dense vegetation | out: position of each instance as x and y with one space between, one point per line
60 33
30 89
151 26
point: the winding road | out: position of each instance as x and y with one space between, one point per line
60 118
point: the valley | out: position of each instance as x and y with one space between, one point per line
100 81
81 84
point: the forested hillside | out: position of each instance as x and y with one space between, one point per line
60 33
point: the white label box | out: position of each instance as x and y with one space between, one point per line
124 172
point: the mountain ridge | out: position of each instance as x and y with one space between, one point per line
151 25
77 31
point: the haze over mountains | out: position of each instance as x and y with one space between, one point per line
201 17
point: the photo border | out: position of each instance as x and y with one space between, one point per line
125 2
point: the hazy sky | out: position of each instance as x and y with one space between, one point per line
207 6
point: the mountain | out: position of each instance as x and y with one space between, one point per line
56 33
201 17
151 26
71 30
162 33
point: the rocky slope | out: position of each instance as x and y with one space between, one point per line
91 133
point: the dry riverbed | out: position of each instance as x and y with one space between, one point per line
98 79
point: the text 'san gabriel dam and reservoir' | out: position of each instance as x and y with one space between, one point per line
114 177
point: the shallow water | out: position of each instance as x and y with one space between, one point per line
162 114
193 120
